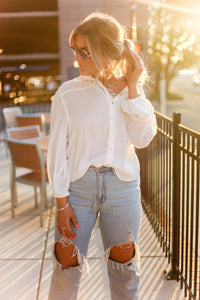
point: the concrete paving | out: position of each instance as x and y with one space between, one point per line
25 252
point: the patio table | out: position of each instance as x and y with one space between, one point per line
42 141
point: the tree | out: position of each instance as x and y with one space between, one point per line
173 44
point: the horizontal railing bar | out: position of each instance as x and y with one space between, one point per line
189 131
165 118
189 153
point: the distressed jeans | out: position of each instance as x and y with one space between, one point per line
118 203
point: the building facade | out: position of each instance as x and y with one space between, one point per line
34 35
69 15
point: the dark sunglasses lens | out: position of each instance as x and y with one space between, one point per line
83 54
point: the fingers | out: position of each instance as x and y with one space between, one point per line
66 229
74 221
138 60
69 232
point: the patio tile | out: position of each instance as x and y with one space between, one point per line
46 279
19 279
148 241
22 237
153 284
26 203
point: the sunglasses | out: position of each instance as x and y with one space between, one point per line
83 53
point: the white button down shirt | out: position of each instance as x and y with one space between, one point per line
90 127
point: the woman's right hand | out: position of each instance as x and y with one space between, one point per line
63 222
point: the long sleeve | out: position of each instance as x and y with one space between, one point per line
57 150
140 120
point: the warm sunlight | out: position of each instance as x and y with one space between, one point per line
174 7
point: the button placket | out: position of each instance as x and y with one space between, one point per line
111 130
111 133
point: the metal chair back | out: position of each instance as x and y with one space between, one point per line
26 132
9 115
31 119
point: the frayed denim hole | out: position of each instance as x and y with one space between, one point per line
82 266
132 265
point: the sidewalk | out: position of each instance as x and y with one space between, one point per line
25 253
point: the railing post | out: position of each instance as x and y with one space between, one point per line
173 273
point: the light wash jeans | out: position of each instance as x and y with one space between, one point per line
119 205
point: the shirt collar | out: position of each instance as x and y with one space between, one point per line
87 77
91 78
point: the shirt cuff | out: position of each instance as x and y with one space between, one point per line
136 99
62 195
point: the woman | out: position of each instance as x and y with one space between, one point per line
93 169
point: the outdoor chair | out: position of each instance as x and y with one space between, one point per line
9 114
26 132
31 119
29 156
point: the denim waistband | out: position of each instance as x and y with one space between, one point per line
101 169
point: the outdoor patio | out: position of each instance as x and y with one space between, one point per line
25 252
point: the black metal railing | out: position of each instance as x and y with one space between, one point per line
170 182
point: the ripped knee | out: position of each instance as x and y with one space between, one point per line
124 257
122 253
66 255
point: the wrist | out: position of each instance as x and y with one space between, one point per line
62 208
133 92
61 202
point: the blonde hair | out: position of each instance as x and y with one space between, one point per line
106 38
